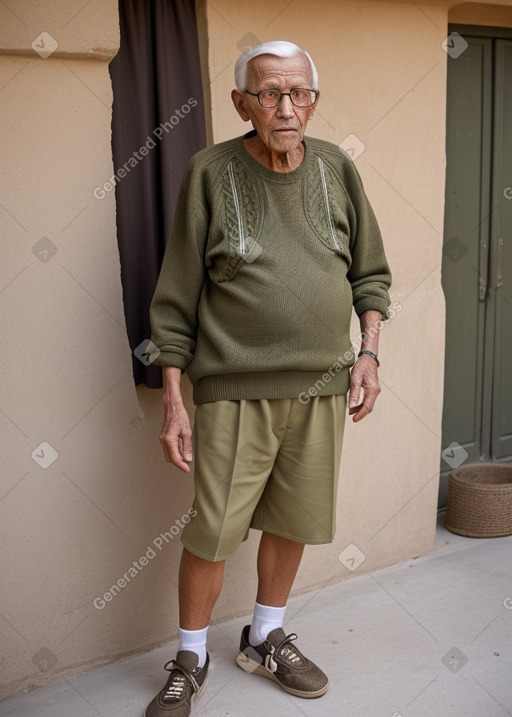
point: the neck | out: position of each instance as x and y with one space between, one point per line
273 160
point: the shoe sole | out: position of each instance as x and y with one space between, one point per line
195 696
257 668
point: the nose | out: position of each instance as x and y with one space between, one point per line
285 107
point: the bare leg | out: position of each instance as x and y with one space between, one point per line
278 562
200 583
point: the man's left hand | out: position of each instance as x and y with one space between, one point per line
363 377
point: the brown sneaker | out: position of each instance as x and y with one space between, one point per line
279 660
186 682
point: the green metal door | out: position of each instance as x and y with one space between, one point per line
477 255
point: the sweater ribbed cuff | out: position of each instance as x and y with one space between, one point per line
170 358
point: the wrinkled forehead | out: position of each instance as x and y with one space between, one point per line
267 70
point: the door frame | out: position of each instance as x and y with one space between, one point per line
497 33
494 33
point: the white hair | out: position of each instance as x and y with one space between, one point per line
279 48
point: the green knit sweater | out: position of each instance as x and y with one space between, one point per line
261 272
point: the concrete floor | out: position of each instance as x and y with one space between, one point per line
427 638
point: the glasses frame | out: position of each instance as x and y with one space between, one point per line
289 94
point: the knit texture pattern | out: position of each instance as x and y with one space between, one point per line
261 273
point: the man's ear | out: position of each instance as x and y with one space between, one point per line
313 108
239 102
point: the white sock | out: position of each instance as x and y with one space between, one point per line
195 641
265 619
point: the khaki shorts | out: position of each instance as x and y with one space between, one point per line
267 464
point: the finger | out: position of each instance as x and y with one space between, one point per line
355 392
165 446
369 399
172 452
359 412
354 409
366 407
180 463
186 446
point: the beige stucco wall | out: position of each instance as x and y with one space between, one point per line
72 527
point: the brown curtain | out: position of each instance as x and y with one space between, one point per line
157 125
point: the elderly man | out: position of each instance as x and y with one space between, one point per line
273 244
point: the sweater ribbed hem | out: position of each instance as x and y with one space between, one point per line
303 385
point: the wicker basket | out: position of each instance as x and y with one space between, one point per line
479 501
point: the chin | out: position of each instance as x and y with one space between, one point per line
285 144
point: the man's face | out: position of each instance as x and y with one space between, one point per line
281 128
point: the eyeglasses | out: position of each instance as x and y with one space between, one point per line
299 96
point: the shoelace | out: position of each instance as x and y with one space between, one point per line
287 651
289 654
177 686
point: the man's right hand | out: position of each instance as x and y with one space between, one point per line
176 434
